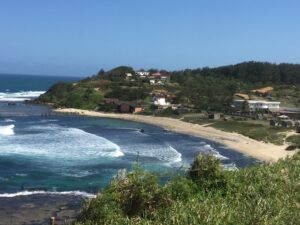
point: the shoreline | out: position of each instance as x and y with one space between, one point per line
237 142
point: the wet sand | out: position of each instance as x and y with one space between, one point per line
37 209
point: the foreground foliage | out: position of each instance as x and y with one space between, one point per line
261 194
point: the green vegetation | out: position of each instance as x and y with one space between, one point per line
208 89
68 95
261 194
294 141
256 129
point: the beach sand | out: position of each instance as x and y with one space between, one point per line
259 150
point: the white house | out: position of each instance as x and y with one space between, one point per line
160 101
254 105
142 73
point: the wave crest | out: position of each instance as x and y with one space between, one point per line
19 96
7 130
26 193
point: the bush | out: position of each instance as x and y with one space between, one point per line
261 194
207 172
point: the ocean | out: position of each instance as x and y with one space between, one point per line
41 152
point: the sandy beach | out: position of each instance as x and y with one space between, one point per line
259 150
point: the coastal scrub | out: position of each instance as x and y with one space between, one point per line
261 194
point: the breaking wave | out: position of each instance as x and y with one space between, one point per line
19 96
26 193
7 130
58 143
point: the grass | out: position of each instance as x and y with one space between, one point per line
293 141
262 194
256 129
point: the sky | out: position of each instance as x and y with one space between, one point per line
79 37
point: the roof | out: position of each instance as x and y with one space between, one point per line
244 96
257 101
156 74
263 90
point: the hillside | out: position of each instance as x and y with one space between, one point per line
199 89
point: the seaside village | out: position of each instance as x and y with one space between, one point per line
259 105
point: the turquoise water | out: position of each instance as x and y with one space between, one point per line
67 153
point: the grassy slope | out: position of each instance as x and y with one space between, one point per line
261 194
256 129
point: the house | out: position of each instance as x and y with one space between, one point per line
137 109
152 82
129 107
159 78
142 74
215 116
283 117
254 105
160 101
111 101
242 96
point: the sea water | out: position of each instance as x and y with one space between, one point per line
41 153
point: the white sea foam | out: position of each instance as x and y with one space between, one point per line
214 152
59 143
19 96
230 166
162 152
9 121
7 130
21 174
26 193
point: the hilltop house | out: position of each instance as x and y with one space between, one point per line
142 74
254 105
159 78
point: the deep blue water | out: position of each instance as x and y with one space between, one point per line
17 83
67 153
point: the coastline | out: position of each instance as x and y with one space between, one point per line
256 149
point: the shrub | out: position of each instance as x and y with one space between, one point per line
207 172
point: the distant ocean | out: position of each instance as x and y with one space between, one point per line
15 87
41 153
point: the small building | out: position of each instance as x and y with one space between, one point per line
111 101
214 116
152 81
137 109
142 74
242 96
283 117
160 101
129 107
